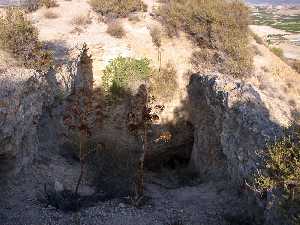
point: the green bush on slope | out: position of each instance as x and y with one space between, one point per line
282 173
122 72
19 37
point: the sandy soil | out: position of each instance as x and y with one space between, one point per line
59 34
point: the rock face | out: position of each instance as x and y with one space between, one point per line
24 94
231 124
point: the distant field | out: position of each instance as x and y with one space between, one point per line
11 2
270 18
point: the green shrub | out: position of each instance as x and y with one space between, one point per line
215 24
163 83
19 37
277 51
282 173
122 72
115 29
117 8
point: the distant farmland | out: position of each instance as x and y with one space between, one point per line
11 2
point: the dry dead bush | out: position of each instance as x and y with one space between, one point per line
48 3
50 15
218 24
20 38
258 39
155 33
81 20
134 18
117 8
296 65
163 83
278 52
202 59
115 29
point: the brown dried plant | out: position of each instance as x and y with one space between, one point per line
82 115
140 119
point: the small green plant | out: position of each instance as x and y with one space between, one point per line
123 72
117 8
282 173
20 38
115 29
277 51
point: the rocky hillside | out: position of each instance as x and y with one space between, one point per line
201 146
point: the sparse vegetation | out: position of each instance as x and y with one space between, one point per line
81 20
258 39
50 15
134 18
163 83
202 58
155 33
19 37
282 173
115 29
123 72
117 8
296 65
277 51
214 24
48 3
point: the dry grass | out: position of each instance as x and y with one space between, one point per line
49 3
115 29
202 59
134 18
218 24
163 83
277 51
117 8
257 38
296 65
81 20
49 14
19 37
156 35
